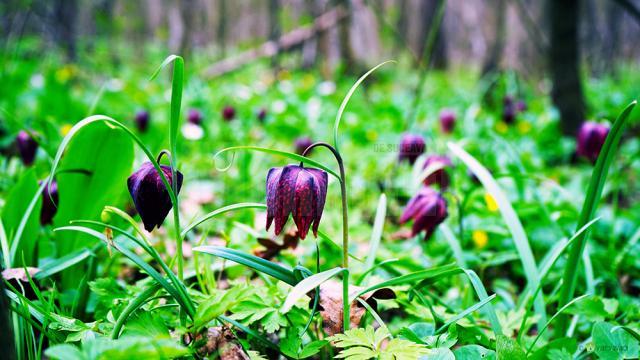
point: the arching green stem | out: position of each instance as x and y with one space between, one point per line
345 230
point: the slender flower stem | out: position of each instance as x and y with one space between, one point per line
176 214
345 230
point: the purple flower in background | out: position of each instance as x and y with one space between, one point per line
262 114
298 191
440 175
509 110
302 143
27 147
142 120
49 203
427 209
591 137
521 106
150 197
194 117
411 147
228 113
447 120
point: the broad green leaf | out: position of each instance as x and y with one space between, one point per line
13 211
439 354
508 349
613 344
312 348
473 352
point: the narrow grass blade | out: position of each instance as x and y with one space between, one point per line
329 240
4 246
512 221
23 222
376 234
63 263
488 310
598 178
465 312
628 330
286 154
141 299
306 285
254 262
415 277
219 211
454 244
251 332
345 101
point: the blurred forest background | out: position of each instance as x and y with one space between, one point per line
561 39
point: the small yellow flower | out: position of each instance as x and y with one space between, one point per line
308 81
65 73
524 127
64 130
480 238
284 74
492 205
502 127
372 135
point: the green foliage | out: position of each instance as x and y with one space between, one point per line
369 344
124 348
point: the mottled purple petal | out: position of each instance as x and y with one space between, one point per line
273 179
304 209
285 196
321 181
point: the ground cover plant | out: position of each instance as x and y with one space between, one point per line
267 215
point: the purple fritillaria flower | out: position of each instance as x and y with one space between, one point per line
262 114
194 116
228 113
411 147
150 197
142 120
427 209
298 191
27 147
440 176
447 120
49 203
591 137
302 143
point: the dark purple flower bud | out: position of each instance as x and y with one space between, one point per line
142 120
411 146
302 143
447 120
521 106
149 194
49 203
299 191
427 209
439 175
509 113
27 147
262 114
194 117
228 113
591 137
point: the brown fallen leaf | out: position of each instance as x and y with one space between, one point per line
272 248
19 273
330 305
220 342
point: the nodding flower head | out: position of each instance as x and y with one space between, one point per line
591 137
521 106
302 143
427 209
27 147
194 117
228 113
262 114
509 110
142 120
439 175
150 197
447 120
298 191
411 146
49 203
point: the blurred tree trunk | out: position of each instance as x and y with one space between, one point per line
222 27
310 48
494 56
438 56
64 17
564 58
274 29
346 52
187 12
401 25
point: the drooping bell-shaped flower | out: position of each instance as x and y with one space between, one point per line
509 110
142 120
149 194
438 175
27 147
447 120
591 137
262 114
411 146
427 209
298 191
49 203
194 116
302 143
228 113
